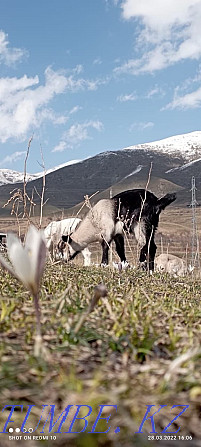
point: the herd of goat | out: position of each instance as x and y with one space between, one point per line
135 211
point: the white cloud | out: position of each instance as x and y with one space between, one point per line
60 147
10 86
128 97
75 109
97 61
78 69
46 114
24 101
94 84
13 158
188 101
115 2
170 32
187 95
76 134
155 91
9 55
21 104
140 126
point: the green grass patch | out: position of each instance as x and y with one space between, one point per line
120 356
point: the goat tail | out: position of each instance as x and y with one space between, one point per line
165 201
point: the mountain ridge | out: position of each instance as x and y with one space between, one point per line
187 145
9 176
114 171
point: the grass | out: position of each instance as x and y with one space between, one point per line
122 355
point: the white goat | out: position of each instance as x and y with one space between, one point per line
53 233
168 263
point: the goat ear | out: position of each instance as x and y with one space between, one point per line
64 238
69 237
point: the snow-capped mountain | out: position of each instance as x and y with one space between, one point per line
8 176
173 161
63 165
186 145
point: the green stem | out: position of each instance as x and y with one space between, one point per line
38 313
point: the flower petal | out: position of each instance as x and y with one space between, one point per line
20 261
35 246
11 239
5 265
41 256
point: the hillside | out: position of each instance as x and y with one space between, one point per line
172 170
67 186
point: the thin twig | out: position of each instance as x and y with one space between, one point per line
99 292
25 213
43 189
143 203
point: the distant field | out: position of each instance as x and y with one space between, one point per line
174 233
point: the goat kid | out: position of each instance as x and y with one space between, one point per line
134 211
167 263
53 233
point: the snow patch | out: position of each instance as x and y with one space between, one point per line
186 165
138 169
63 165
8 176
188 145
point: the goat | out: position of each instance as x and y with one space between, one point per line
53 233
3 242
134 211
168 263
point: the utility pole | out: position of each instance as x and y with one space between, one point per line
110 249
195 255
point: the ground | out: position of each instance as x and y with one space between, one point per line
122 355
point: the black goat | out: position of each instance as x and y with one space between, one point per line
135 211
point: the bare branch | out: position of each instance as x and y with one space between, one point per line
43 189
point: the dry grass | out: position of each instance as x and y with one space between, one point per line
174 227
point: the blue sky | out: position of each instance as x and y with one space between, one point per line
86 76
